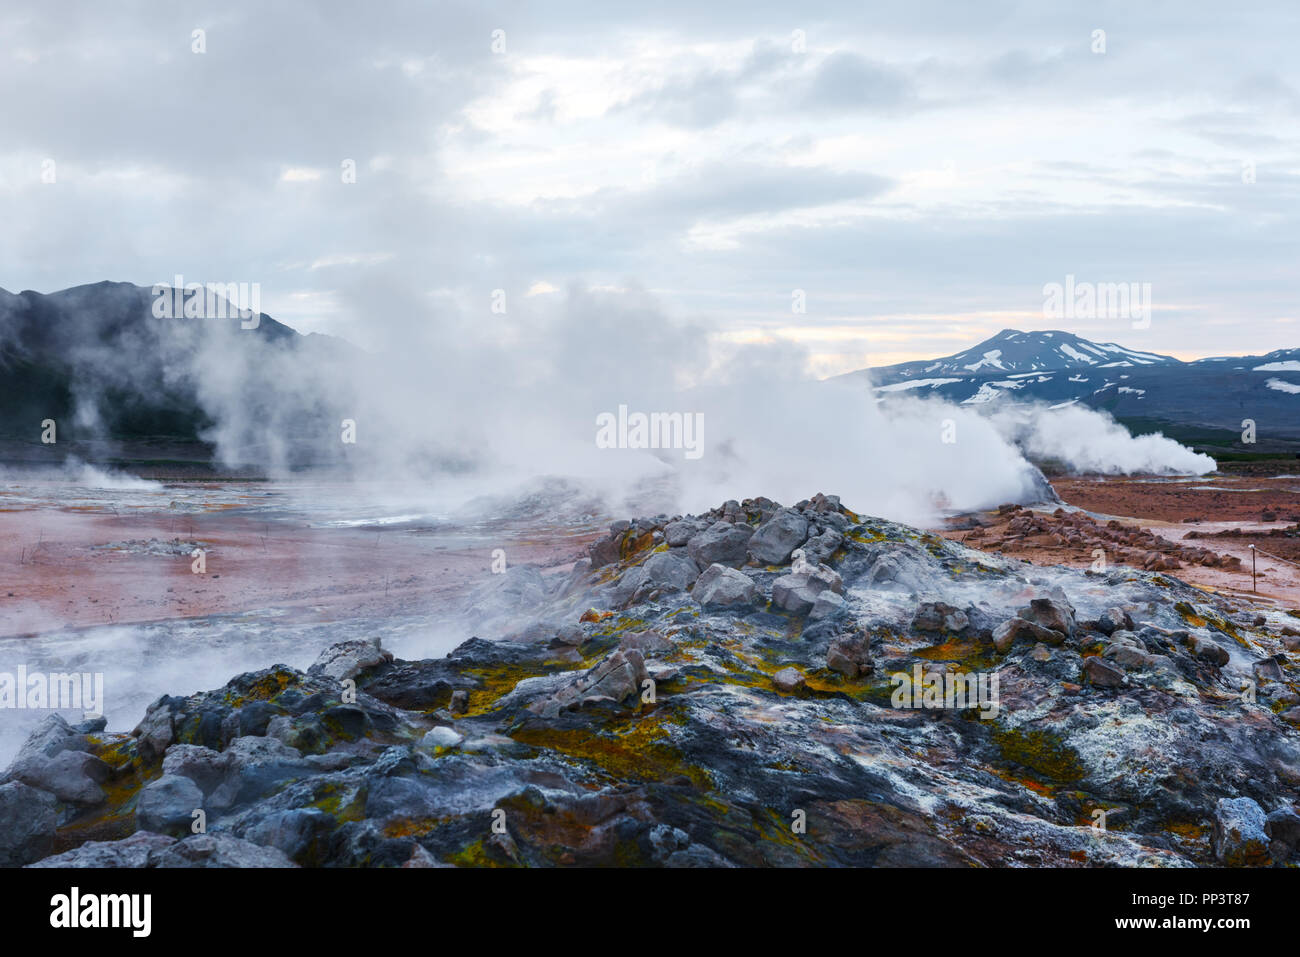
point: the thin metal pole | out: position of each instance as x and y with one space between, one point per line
1252 568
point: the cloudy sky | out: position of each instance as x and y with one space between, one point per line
918 169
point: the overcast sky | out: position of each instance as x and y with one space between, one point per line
919 169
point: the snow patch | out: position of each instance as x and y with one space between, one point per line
1283 386
990 359
914 384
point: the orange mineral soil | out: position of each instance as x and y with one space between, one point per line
70 564
1196 529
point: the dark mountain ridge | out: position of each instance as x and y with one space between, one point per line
101 363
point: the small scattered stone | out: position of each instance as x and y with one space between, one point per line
789 680
1102 673
1239 838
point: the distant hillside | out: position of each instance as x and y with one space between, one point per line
1201 403
117 379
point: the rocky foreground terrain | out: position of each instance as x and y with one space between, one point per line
720 690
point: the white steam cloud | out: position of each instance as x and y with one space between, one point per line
456 399
1091 441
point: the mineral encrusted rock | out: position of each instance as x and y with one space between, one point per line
689 683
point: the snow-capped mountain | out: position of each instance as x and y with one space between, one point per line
1012 351
1143 388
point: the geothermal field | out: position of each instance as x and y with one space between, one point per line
352 678
537 464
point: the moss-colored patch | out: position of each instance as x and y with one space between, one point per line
873 688
342 804
1040 752
968 652
1189 615
636 750
116 753
265 688
475 855
865 534
412 827
631 544
1189 830
496 682
620 625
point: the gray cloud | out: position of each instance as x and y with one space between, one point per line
815 170
846 81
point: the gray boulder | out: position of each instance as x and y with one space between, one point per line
821 547
218 850
615 678
776 538
50 736
1239 838
722 543
131 851
27 822
167 805
155 731
850 655
258 766
788 680
794 594
619 677
1283 827
1131 656
1015 630
937 616
1053 613
203 766
1208 650
292 831
828 604
71 776
347 659
670 571
824 577
797 592
441 737
680 532
1102 673
1114 619
673 570
723 587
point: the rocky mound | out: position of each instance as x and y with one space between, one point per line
1020 528
757 685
